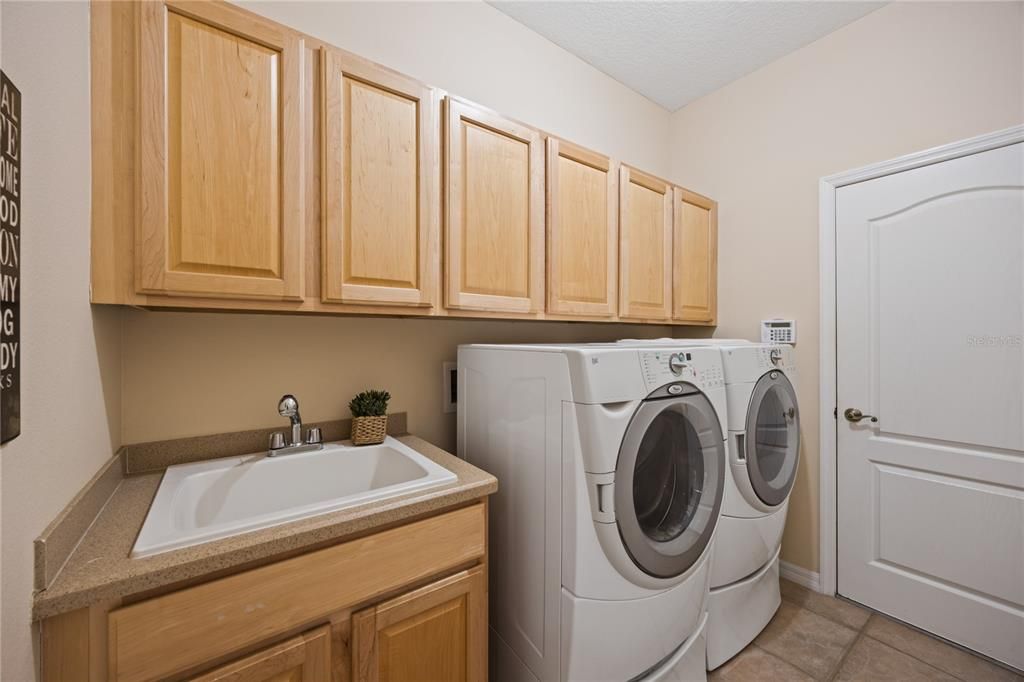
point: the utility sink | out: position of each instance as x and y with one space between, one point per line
209 500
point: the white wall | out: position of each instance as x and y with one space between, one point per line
70 380
904 78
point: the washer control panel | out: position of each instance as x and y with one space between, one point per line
668 366
772 357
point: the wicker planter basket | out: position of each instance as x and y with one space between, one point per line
369 430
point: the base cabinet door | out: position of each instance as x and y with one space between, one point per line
438 632
494 212
306 658
382 204
220 174
694 258
645 246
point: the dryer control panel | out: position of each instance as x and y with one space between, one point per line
670 365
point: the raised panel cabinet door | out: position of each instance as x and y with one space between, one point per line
494 212
645 246
306 658
382 204
695 258
220 209
438 632
582 231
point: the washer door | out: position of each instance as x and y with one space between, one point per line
669 481
773 438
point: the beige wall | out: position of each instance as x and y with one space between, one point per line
70 379
472 50
904 78
224 372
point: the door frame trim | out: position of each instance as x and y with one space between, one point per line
827 368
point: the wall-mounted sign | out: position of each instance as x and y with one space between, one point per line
10 259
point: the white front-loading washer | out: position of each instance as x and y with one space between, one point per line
611 467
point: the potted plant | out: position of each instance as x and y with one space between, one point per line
369 417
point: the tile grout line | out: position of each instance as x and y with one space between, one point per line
834 672
779 658
919 660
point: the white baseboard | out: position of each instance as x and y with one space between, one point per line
800 575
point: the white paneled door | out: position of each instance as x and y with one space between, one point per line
930 320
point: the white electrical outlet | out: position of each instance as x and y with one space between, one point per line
451 386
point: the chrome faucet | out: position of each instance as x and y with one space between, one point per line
289 407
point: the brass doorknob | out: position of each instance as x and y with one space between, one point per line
854 415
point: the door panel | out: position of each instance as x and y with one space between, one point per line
215 218
306 658
930 301
438 632
582 228
695 258
381 183
494 212
645 246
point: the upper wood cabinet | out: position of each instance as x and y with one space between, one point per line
381 183
494 212
434 633
220 207
645 246
306 658
695 258
582 231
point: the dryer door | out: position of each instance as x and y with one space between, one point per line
669 480
773 438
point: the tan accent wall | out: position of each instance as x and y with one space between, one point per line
904 78
190 374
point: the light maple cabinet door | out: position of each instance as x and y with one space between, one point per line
382 204
494 212
582 231
306 658
645 246
695 258
438 632
220 175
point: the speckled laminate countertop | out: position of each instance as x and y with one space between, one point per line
100 568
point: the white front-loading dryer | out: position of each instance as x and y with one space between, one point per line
764 449
629 446
764 452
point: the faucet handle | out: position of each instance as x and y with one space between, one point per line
313 436
276 440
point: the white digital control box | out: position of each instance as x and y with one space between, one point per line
778 331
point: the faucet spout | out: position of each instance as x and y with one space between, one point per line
288 407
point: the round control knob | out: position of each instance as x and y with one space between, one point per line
775 356
677 363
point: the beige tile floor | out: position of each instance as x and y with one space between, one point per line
814 637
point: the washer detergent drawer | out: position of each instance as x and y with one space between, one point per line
738 613
744 546
596 633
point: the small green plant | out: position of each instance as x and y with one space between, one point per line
370 403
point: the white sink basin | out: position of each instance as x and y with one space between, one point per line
218 498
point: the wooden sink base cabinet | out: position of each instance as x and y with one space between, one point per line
402 604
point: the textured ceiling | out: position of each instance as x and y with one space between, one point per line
675 52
